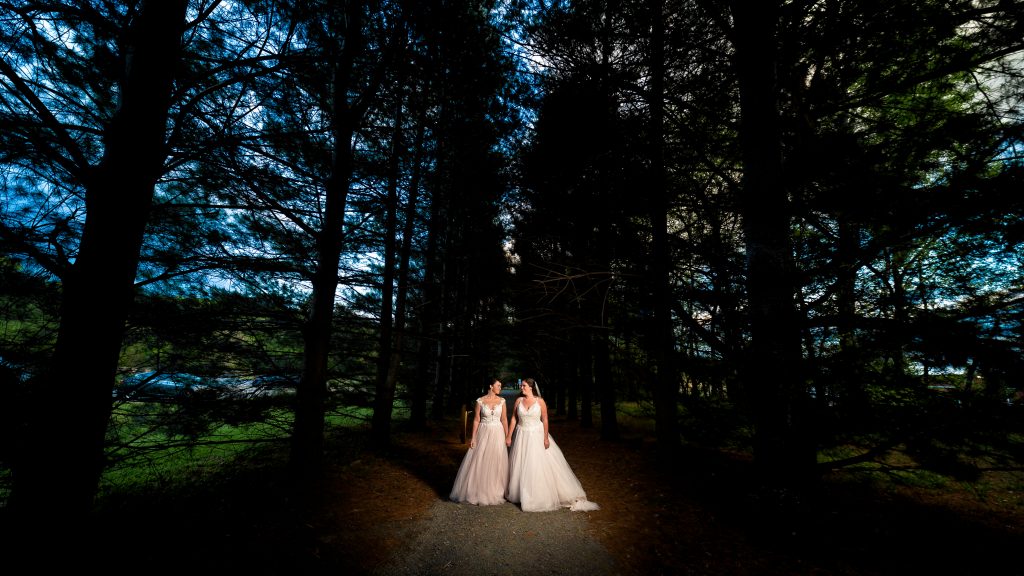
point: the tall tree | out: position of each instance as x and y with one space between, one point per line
390 318
58 466
464 260
772 370
916 137
579 157
667 386
342 39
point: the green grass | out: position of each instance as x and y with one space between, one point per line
145 455
920 478
150 453
148 449
637 417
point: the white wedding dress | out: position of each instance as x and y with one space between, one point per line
483 473
540 479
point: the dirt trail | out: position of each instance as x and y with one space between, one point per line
467 540
392 516
691 512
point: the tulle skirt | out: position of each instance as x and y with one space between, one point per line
483 474
540 479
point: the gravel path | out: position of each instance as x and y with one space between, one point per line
462 539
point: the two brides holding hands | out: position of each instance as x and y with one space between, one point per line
516 461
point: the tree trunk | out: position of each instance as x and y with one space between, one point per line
605 386
596 234
56 476
417 416
666 388
783 451
583 380
384 399
900 315
429 334
430 323
849 383
586 380
306 458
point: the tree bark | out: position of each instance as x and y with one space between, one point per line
666 388
306 457
384 399
586 380
579 384
56 476
849 383
605 386
417 416
783 451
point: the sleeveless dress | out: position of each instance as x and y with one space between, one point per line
483 474
540 479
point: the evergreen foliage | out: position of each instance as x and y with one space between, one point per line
387 201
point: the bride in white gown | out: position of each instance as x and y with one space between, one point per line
540 478
483 474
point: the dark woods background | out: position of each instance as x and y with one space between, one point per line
786 226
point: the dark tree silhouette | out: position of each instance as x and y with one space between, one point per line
58 467
772 373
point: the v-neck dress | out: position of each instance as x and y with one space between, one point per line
540 479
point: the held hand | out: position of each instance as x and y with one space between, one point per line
508 441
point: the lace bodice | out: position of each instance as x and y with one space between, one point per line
529 417
490 415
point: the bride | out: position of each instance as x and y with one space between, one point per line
483 473
540 478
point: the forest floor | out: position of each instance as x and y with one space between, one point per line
694 511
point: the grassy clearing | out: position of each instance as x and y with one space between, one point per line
150 457
154 447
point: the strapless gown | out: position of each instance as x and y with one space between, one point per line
483 474
540 479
